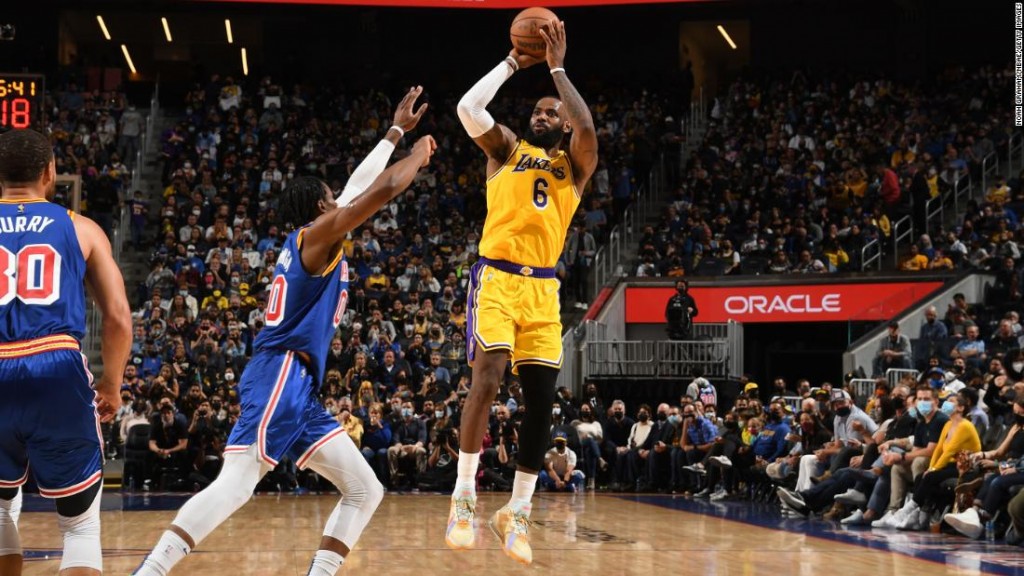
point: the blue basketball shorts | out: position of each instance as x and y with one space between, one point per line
48 420
281 414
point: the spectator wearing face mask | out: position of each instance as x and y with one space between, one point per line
629 458
560 473
617 433
591 436
909 457
408 443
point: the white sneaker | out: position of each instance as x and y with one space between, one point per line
703 493
967 523
852 497
584 306
723 461
697 468
885 521
907 517
721 494
855 519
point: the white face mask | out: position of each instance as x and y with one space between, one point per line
556 411
439 414
229 376
1018 366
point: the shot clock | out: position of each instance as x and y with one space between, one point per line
21 100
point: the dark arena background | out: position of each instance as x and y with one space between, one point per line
839 184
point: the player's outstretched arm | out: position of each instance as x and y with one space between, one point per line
106 284
405 120
583 145
323 237
496 140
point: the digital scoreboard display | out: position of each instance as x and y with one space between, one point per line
21 100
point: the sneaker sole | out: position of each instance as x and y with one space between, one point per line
494 529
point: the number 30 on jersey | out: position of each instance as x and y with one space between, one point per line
32 275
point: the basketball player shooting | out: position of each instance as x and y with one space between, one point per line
533 190
280 411
48 418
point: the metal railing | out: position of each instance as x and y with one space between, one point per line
567 375
874 259
989 167
656 358
862 388
794 402
962 188
934 209
907 225
895 375
1014 147
608 259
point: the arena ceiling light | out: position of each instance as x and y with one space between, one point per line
128 58
103 27
227 28
245 63
167 29
726 36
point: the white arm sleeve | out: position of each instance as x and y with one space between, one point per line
472 108
367 171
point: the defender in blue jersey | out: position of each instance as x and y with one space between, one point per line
280 411
49 419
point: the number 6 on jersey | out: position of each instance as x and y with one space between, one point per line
540 193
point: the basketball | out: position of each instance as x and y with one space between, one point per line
526 38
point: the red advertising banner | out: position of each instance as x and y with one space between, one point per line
496 4
798 303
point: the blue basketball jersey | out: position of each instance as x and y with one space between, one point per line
304 310
42 272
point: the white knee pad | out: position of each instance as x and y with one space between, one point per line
82 547
10 540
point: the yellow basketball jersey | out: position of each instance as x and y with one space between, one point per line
531 200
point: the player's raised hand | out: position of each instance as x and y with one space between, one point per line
524 60
554 36
425 146
406 115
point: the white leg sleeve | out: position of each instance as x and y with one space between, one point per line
340 462
229 492
10 540
82 538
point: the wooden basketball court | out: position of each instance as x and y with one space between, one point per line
573 534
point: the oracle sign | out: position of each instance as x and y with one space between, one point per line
799 303
795 304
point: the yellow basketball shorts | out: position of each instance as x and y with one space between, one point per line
516 311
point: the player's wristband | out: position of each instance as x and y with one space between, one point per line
401 132
559 69
512 63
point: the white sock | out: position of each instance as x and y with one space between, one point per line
522 492
170 550
325 563
465 484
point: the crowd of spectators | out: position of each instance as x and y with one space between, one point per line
799 174
216 238
96 135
